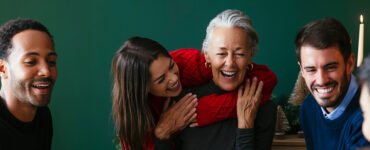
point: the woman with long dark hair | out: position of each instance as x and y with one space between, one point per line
143 68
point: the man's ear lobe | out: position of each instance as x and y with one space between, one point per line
3 69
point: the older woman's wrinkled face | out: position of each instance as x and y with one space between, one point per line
229 55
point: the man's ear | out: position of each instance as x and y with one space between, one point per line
350 65
300 68
3 69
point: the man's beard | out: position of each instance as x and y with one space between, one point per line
342 93
22 90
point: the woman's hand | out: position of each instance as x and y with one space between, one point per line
177 116
249 97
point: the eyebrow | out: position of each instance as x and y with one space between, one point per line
326 65
224 48
160 77
34 53
330 64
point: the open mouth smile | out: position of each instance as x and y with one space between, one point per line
175 86
229 74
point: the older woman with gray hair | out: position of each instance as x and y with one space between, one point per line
229 46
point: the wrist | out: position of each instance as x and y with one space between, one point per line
161 133
245 123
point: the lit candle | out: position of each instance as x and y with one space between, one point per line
360 53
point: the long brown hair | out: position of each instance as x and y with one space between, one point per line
132 115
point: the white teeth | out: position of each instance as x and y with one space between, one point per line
41 85
228 73
321 91
174 86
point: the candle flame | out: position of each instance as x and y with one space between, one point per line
361 19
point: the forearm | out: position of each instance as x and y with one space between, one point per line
244 139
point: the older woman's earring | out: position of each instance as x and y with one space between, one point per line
207 65
249 67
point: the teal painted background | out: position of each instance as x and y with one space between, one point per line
87 33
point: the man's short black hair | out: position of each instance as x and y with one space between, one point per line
363 75
11 28
323 34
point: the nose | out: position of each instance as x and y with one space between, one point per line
322 77
229 60
44 69
173 78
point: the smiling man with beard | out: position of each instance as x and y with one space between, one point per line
28 72
330 115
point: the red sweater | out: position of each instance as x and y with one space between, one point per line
211 108
214 108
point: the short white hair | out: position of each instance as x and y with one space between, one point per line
232 18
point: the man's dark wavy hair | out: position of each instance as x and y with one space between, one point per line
323 34
11 28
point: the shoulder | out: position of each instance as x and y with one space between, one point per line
187 57
308 103
186 52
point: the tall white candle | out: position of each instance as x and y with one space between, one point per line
360 52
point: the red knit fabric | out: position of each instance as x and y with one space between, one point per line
214 108
211 108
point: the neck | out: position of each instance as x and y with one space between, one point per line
24 112
329 109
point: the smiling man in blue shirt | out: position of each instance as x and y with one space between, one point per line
330 115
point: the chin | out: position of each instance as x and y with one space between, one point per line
326 103
40 102
228 87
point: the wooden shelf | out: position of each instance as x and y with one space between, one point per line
289 142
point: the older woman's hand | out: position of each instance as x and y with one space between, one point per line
249 97
176 117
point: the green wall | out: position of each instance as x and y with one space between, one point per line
87 33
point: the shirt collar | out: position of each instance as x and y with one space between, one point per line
346 100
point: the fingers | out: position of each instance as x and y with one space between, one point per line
194 124
259 91
186 110
193 121
191 104
240 91
184 99
247 87
252 88
189 116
